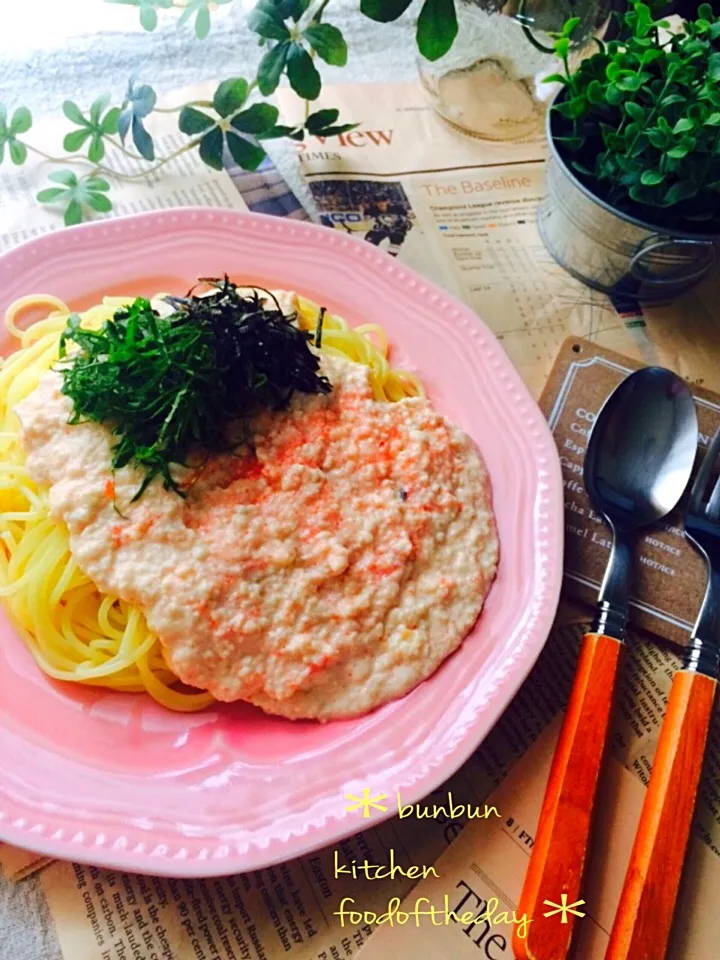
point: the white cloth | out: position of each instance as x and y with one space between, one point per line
50 52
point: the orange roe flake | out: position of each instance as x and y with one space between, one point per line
110 489
117 535
379 570
327 661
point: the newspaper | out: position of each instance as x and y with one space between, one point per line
462 211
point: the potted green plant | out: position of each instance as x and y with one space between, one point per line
633 178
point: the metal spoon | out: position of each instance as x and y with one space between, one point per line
638 463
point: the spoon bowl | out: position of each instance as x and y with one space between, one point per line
641 449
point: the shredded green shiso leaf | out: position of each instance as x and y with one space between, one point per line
168 386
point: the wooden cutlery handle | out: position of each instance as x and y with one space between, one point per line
644 916
561 841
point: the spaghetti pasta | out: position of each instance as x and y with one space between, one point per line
74 631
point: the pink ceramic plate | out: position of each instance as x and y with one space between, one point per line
115 780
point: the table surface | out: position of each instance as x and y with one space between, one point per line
51 51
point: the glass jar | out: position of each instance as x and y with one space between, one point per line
490 82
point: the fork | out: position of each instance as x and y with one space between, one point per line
644 916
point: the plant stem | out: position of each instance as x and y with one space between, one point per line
190 103
100 168
118 146
315 18
51 159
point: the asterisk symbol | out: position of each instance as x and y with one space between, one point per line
366 802
564 908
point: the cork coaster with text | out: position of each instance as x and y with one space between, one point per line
669 575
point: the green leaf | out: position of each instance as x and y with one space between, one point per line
73 113
18 152
21 121
321 119
571 108
96 183
713 120
51 195
679 152
148 17
651 177
383 11
266 20
658 139
680 191
73 214
649 55
77 195
200 9
64 176
714 67
569 26
635 112
230 96
293 8
202 23
631 82
335 130
247 155
97 149
99 202
562 47
109 124
211 149
97 108
671 99
595 93
328 42
437 28
256 119
613 96
271 68
74 141
280 131
683 125
302 73
192 121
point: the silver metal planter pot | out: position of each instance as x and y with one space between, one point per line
611 251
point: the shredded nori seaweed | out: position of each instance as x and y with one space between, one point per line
171 385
